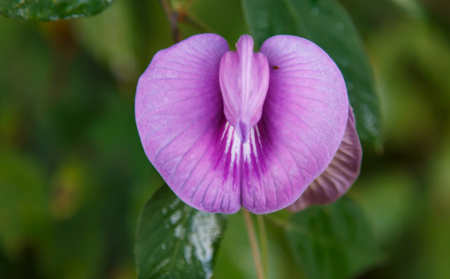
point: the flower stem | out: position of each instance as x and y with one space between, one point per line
263 243
172 16
253 243
193 21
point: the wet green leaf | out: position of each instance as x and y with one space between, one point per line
175 240
46 10
332 241
327 24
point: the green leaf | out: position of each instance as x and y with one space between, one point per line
326 23
46 10
175 240
333 242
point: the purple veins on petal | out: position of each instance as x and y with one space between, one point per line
225 130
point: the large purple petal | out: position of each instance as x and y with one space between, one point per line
303 122
339 176
179 115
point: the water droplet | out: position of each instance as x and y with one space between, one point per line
188 254
369 120
179 231
315 11
205 231
174 204
340 26
163 246
161 265
164 211
175 217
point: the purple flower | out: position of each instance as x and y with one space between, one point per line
231 129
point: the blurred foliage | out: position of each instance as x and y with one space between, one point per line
73 175
332 241
50 9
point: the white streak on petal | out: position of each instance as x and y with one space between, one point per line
259 135
229 137
247 151
253 141
235 149
225 130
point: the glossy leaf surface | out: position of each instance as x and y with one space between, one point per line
175 240
327 24
48 10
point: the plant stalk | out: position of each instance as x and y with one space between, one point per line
253 244
172 16
263 243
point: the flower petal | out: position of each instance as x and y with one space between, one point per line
179 115
244 80
342 172
206 162
303 122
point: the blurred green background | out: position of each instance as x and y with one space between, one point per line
74 177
